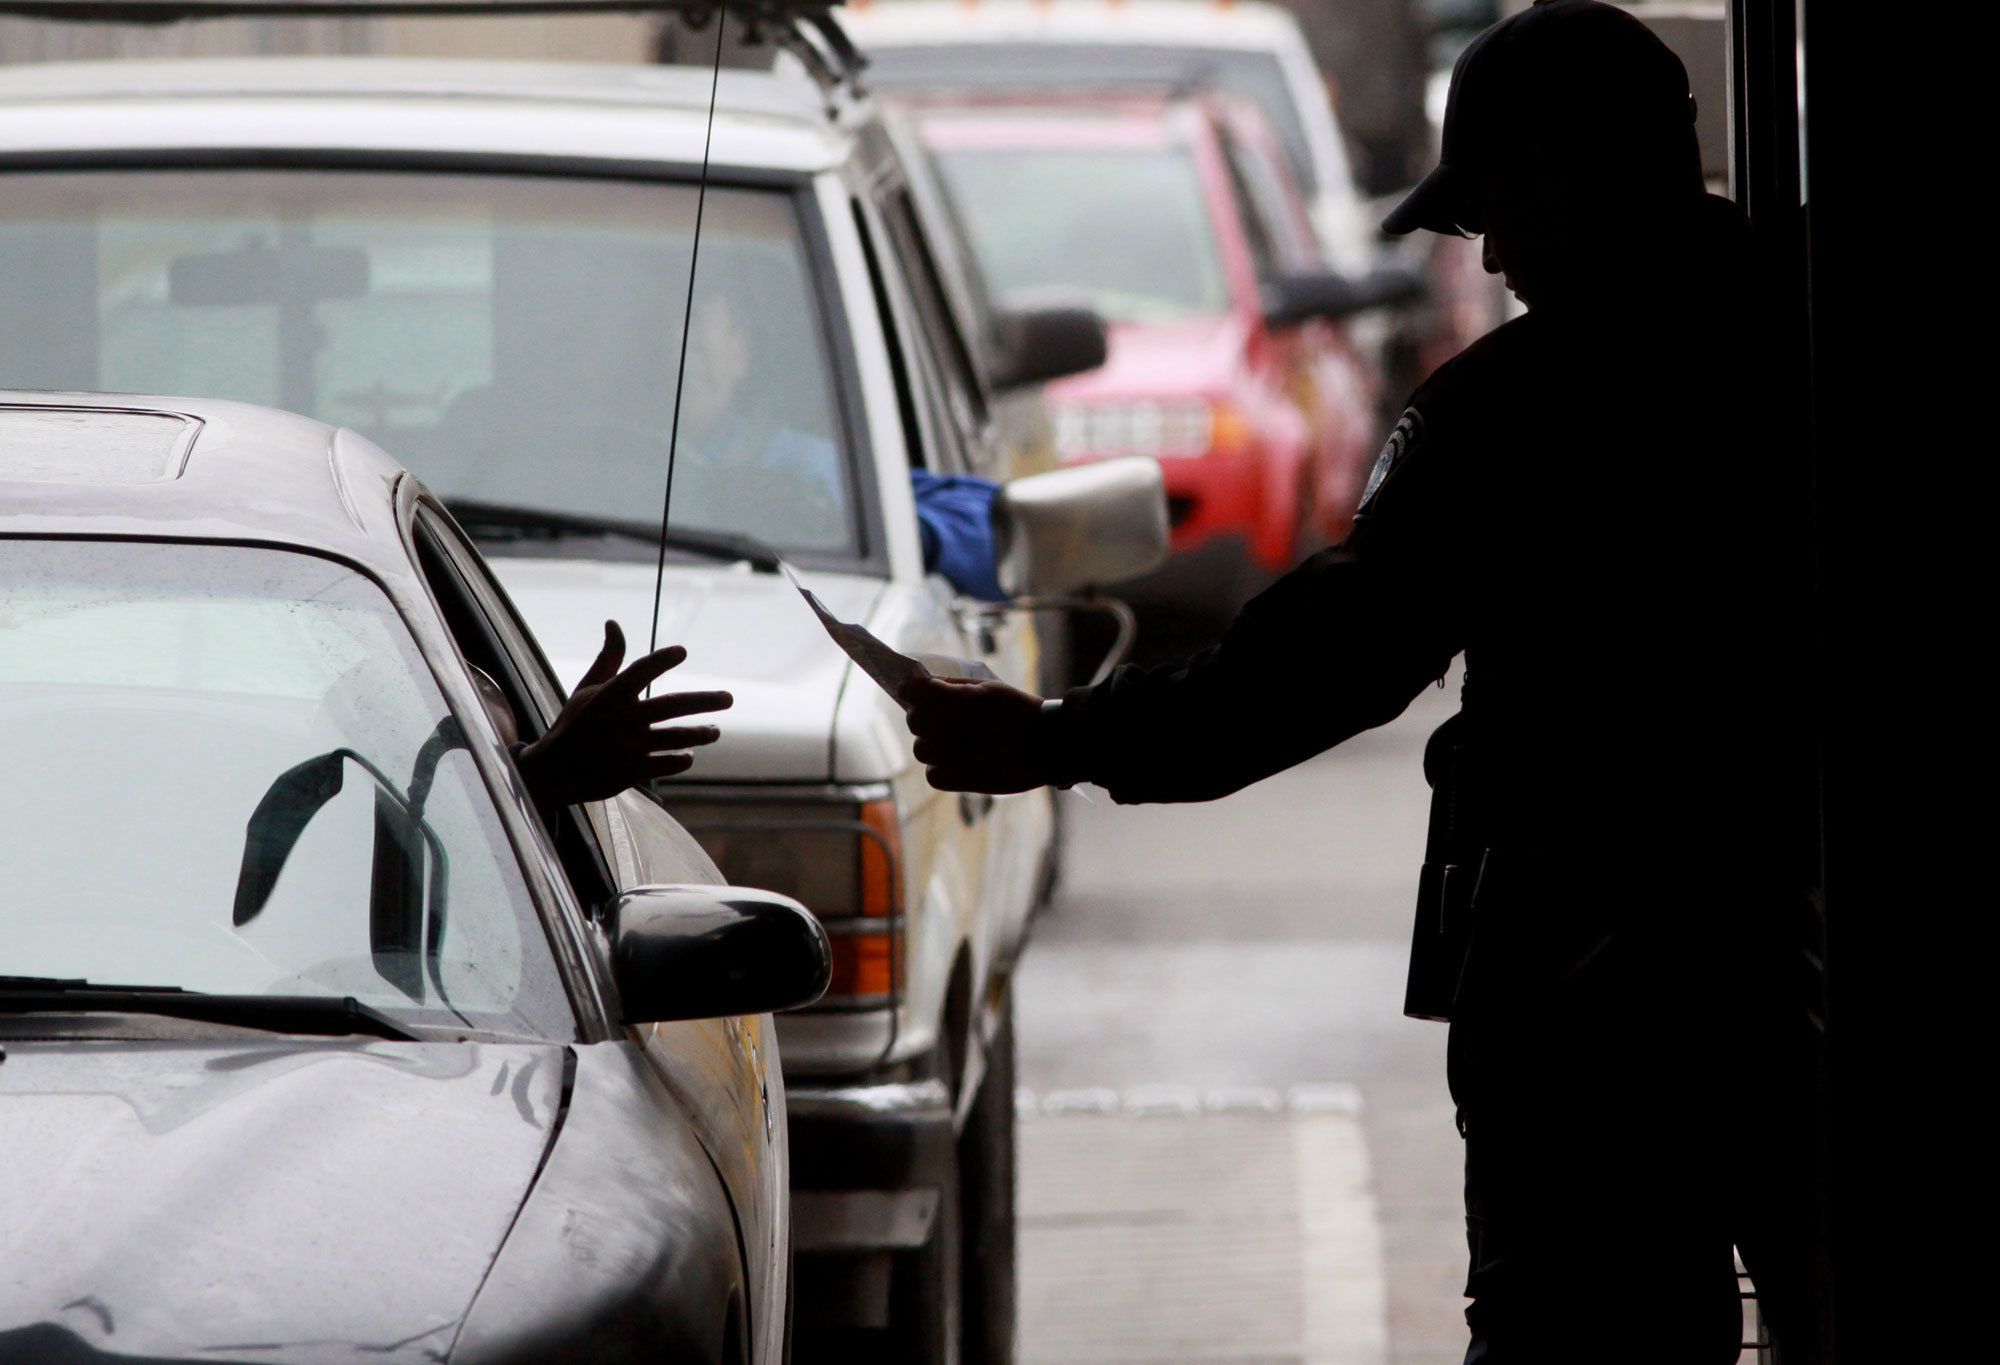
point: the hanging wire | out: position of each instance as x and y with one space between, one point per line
687 323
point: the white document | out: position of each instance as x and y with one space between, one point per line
890 669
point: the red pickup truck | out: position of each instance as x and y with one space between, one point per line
1178 221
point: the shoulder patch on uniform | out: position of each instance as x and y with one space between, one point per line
1409 430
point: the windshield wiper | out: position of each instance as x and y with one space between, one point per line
10 984
329 1015
497 520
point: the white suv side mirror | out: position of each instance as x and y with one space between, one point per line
1086 526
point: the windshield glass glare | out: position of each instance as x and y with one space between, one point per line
1126 227
151 697
513 340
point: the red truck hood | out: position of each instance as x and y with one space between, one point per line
1160 360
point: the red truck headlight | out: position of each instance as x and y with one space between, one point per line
1165 429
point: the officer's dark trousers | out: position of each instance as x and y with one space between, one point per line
1613 1162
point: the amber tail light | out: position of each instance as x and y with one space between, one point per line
841 858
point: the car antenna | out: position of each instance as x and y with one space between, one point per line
687 327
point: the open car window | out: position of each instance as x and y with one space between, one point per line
490 636
230 771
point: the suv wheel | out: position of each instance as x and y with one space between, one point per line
986 1206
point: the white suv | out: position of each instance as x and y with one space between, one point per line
482 267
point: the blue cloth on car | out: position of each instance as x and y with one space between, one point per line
955 520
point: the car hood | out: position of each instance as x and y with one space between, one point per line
745 632
307 1201
1153 360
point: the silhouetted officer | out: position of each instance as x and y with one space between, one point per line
1587 506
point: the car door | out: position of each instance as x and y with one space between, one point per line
1004 838
723 1072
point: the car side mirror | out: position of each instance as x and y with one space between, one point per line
707 952
1301 296
1081 527
1036 345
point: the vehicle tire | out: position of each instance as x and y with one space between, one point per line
986 1182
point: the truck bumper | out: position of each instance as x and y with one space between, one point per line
867 1163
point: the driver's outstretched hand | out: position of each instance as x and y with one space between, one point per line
609 736
974 734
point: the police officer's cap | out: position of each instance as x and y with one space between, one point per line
1583 81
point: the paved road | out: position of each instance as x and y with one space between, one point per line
1235 1147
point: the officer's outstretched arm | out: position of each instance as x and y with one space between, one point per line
1340 644
1320 657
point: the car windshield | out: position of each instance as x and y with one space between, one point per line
229 771
514 340
1126 227
962 67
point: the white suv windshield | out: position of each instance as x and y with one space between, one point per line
228 771
513 340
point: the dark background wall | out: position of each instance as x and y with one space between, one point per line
1374 55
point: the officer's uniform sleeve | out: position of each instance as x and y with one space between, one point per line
1342 643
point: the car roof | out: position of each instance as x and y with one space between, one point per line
1157 23
132 466
589 110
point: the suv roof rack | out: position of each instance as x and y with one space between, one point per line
805 28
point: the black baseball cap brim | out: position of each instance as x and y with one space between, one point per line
1436 204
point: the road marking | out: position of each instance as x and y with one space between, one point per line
1168 1224
1346 1299
1187 1101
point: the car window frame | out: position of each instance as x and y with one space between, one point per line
1270 193
531 689
927 447
1261 243
578 953
951 352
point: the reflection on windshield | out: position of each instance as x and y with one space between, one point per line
1128 228
514 341
160 704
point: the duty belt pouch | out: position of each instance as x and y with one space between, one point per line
1453 861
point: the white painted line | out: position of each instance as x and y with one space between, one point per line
1163 1101
1345 1298
1096 1100
1243 1100
1186 1101
1335 1097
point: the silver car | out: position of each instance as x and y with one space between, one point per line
317 1043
